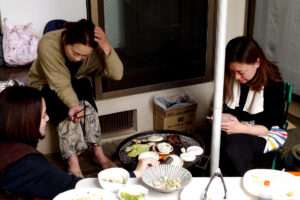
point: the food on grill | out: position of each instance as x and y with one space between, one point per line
196 150
144 140
183 150
137 149
188 157
176 160
174 139
164 148
149 154
137 141
155 138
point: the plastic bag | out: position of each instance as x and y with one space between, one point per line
182 100
5 84
19 44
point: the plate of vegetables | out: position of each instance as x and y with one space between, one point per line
133 192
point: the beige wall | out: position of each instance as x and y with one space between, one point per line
143 102
39 12
236 18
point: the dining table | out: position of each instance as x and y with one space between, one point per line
191 191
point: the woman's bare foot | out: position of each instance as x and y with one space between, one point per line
74 167
101 159
108 164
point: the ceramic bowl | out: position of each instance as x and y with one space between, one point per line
133 190
113 179
295 152
161 177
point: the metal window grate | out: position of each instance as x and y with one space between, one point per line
118 124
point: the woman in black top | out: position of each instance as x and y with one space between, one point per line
25 172
253 103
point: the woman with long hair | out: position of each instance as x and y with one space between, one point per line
67 60
253 103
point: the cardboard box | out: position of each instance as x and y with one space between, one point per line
179 119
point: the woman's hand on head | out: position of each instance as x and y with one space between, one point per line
102 41
75 114
143 164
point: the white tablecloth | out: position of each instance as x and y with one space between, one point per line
191 192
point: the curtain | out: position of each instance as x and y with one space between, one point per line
277 30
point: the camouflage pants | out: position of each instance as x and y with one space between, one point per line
77 137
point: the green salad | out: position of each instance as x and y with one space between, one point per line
127 196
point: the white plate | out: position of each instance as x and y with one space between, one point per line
89 193
281 184
88 183
193 191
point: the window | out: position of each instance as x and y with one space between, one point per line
162 44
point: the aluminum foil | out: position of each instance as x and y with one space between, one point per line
5 84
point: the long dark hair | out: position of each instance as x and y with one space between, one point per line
246 50
80 32
20 115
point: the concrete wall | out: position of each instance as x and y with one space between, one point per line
141 102
39 12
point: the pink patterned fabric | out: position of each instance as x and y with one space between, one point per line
19 44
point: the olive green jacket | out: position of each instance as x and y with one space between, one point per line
49 68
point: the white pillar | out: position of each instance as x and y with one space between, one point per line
219 82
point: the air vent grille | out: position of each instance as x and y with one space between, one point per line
118 124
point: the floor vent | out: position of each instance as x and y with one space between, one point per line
118 124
